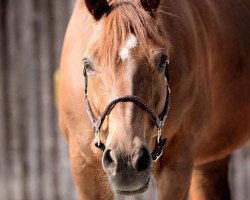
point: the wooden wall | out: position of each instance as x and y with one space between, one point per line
34 161
33 156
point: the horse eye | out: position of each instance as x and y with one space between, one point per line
163 62
88 65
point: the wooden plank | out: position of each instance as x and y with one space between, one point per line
33 183
240 174
23 100
2 101
14 161
61 13
46 54
3 111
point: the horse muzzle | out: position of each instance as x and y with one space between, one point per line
128 174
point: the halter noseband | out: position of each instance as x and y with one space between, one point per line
158 120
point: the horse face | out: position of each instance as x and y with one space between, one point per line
128 130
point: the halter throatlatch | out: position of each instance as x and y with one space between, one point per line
158 120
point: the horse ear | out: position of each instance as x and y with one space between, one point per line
97 7
150 5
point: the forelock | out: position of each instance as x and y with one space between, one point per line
126 18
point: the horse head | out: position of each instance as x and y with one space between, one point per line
126 84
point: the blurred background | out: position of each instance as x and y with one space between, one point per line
34 161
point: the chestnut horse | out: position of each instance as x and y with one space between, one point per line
114 94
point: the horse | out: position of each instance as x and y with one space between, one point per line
120 59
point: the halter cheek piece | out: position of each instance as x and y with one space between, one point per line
158 120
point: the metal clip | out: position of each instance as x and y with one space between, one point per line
159 144
158 156
159 130
97 138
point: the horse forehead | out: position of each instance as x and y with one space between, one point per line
130 43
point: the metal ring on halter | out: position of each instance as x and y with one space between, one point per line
159 130
98 142
159 141
97 138
159 144
158 156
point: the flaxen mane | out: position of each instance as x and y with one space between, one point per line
123 19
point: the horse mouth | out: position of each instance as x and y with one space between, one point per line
134 192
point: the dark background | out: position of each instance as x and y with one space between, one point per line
34 161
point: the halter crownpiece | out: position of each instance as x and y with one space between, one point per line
158 120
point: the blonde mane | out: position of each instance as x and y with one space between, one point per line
124 18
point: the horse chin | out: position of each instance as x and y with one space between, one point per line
133 192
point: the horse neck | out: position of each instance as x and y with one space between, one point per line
197 32
189 34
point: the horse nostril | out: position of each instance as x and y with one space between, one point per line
108 160
143 160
